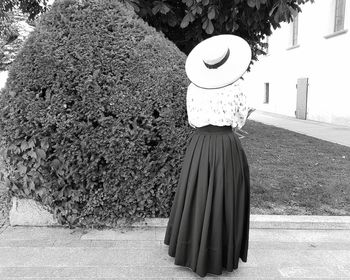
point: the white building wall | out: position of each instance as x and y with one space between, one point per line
325 61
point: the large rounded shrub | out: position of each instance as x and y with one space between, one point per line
94 115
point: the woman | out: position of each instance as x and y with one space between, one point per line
208 227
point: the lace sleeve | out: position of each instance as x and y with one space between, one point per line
241 110
190 105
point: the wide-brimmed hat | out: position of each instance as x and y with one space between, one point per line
218 61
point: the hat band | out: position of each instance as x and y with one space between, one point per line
221 62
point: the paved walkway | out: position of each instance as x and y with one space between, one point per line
329 132
139 253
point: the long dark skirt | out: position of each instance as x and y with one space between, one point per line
208 228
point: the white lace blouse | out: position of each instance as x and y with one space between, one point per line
221 107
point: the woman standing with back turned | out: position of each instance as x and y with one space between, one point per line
208 228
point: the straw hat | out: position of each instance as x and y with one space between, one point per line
218 61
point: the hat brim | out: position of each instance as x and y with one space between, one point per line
235 66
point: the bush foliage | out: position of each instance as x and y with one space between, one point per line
94 115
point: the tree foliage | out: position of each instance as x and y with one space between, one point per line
187 22
31 7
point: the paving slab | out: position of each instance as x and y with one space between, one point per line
26 243
142 233
171 277
315 271
139 253
289 235
165 272
40 233
80 256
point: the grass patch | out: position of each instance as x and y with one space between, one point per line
295 174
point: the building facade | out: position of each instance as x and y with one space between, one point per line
306 71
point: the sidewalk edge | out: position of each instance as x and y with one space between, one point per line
276 222
260 221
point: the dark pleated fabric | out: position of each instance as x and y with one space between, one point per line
208 227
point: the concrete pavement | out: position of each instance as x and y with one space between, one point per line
329 132
139 253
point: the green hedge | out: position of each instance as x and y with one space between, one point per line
94 115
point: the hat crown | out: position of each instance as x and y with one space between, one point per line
214 54
218 61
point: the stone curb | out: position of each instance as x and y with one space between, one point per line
256 222
301 222
276 222
30 213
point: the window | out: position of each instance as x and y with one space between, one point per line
267 93
293 37
295 31
337 24
339 15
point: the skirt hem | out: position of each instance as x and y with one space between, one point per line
182 264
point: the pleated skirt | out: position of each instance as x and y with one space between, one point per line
208 227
